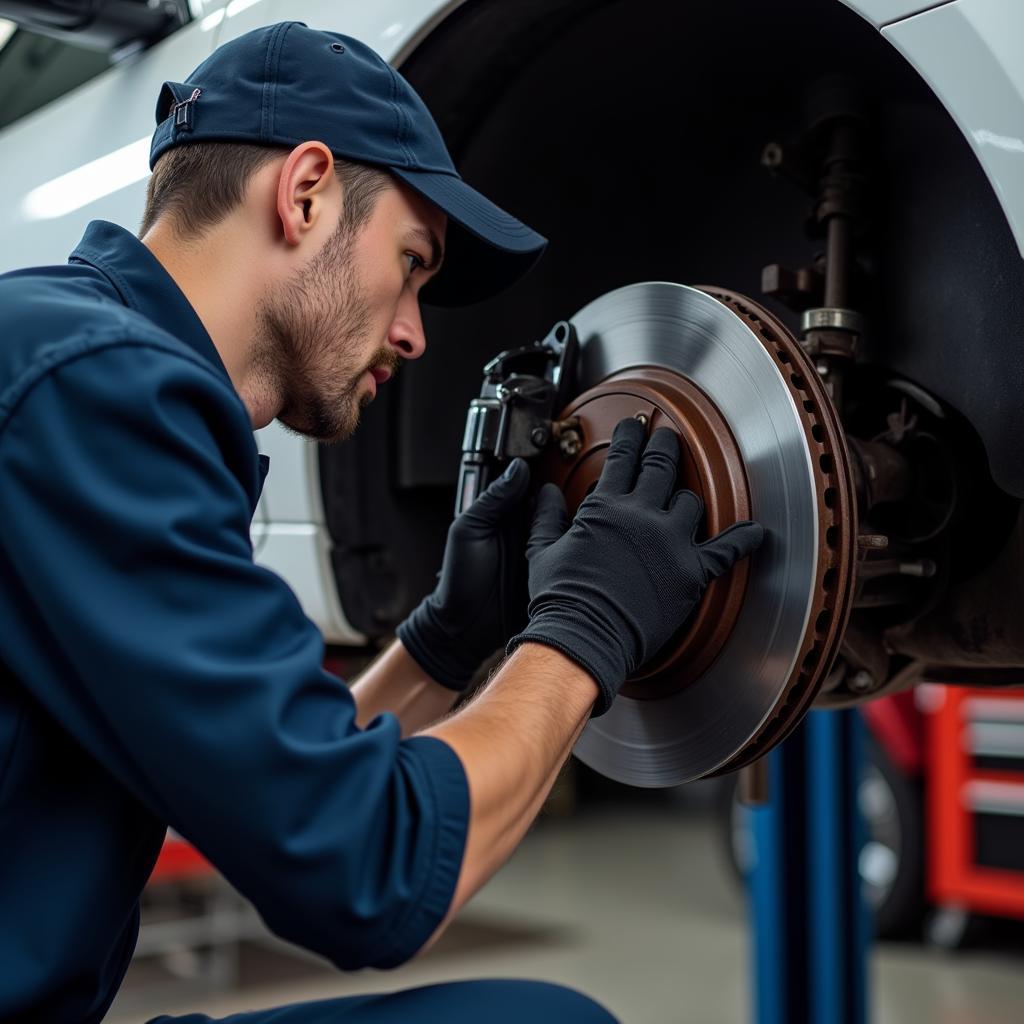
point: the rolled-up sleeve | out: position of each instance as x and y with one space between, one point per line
143 626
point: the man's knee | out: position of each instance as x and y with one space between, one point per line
497 1001
566 1004
534 1002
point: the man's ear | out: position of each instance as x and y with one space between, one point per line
306 180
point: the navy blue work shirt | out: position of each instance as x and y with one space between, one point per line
151 674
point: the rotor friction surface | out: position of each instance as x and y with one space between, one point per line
699 730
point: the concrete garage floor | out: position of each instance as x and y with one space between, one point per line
633 905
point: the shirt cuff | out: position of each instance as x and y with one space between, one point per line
442 779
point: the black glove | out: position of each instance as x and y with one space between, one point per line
480 599
610 591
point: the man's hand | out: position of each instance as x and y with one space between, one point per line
611 589
480 599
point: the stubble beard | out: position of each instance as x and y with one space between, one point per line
310 351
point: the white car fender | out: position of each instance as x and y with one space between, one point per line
969 53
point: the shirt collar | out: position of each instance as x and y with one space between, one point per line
143 285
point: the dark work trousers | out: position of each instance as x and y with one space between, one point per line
463 1002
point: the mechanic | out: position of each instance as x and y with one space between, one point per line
153 675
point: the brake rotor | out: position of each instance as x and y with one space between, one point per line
760 439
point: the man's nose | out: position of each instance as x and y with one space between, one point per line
407 334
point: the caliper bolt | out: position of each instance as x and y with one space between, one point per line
570 443
642 417
539 437
862 681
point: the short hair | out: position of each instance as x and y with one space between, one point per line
198 184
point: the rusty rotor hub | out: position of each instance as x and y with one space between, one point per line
710 465
759 439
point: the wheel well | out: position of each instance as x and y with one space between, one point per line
629 133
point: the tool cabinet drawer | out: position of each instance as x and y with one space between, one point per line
997 815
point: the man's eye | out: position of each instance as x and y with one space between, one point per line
414 261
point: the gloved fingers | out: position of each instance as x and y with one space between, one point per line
688 509
550 520
658 468
623 457
501 495
720 553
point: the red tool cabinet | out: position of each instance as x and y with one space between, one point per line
179 860
974 775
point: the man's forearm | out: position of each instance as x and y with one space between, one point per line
512 740
396 683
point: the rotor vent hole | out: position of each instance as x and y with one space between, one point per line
810 660
818 433
828 581
830 497
825 461
821 625
798 380
832 537
784 357
808 405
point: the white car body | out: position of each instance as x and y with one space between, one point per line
84 156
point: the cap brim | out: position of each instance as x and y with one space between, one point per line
486 249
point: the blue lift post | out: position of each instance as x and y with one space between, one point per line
810 923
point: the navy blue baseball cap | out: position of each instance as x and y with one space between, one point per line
287 83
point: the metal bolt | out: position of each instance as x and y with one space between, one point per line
642 417
539 436
772 155
924 568
872 541
862 681
570 443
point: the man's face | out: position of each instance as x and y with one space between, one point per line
341 325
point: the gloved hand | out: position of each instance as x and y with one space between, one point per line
480 599
611 589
